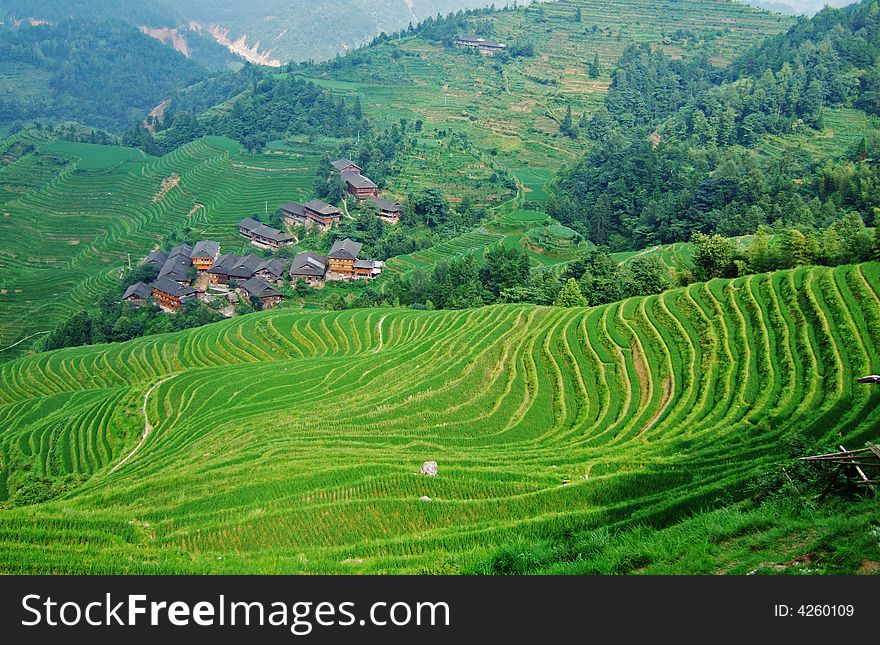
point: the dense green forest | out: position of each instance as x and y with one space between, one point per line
674 149
104 73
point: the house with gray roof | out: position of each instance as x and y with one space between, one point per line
310 268
204 254
137 294
359 186
259 289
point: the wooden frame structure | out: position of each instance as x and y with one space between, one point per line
861 463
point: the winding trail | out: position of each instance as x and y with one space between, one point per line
23 340
381 338
147 427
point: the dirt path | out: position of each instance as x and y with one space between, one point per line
147 427
381 339
345 208
23 340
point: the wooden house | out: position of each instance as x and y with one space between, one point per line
346 165
315 213
268 295
310 268
177 266
272 271
359 186
170 294
389 210
218 273
204 254
342 257
137 294
481 44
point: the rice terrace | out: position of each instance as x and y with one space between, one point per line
543 288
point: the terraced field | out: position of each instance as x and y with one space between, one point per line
514 110
291 441
72 212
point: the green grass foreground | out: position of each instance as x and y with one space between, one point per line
613 439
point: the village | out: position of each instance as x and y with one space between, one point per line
202 272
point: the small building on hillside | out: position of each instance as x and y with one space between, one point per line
346 165
270 238
310 268
170 294
268 295
316 213
245 267
177 266
342 257
247 225
481 44
137 294
344 262
204 254
389 210
156 258
272 271
359 186
218 273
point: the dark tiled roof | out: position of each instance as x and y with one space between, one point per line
342 164
183 250
156 257
275 267
223 264
386 204
323 208
345 249
476 40
248 224
246 267
357 180
309 264
294 209
260 289
269 233
176 268
206 249
173 288
139 290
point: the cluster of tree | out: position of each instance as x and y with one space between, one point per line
115 321
105 73
670 156
506 275
272 109
847 241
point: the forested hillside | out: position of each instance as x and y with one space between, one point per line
104 73
681 146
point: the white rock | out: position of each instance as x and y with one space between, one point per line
425 499
429 468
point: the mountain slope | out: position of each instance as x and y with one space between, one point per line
288 441
105 73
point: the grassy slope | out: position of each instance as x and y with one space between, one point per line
69 214
289 441
518 112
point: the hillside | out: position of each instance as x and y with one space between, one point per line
510 108
291 442
104 73
72 212
269 32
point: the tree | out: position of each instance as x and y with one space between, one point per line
431 206
796 249
567 126
594 68
570 295
713 256
761 259
646 276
